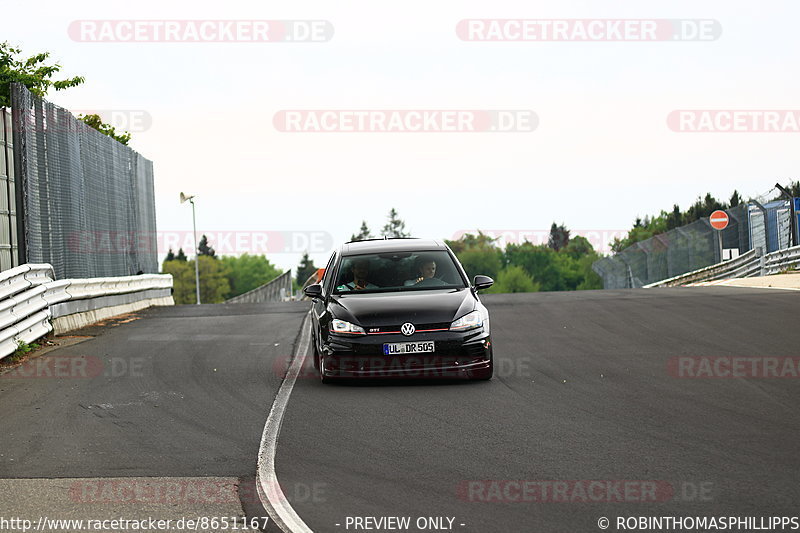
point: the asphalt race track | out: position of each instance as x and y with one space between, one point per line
582 392
175 402
587 416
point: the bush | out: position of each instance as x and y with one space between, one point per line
514 279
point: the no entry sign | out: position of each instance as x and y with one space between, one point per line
719 220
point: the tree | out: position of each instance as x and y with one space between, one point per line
577 247
106 129
468 241
395 227
793 188
248 272
35 74
675 218
702 208
183 289
205 249
305 269
214 284
478 254
170 255
514 279
539 261
527 267
486 262
181 256
665 221
363 233
32 72
559 237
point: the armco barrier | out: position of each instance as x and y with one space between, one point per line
711 272
277 290
24 309
749 264
781 260
32 304
95 299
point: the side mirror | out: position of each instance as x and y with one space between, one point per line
313 291
482 282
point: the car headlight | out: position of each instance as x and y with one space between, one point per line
346 328
469 321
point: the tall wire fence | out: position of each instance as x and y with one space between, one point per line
8 204
87 201
695 246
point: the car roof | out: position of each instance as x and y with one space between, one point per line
390 245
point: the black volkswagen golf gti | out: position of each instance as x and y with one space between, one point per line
399 308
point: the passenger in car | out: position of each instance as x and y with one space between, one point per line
360 270
427 270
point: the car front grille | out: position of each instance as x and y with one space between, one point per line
420 328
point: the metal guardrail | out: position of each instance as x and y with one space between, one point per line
710 272
29 299
24 307
749 264
781 260
277 290
93 287
92 294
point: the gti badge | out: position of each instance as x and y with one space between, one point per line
407 329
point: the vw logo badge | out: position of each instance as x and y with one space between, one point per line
407 329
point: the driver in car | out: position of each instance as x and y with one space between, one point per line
360 271
427 270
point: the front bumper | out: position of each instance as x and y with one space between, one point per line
457 355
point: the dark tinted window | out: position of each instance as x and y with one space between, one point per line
398 271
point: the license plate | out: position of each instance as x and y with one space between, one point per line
401 348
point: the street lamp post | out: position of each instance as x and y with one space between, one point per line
190 199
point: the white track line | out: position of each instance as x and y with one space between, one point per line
269 491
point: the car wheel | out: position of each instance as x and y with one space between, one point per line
325 379
315 353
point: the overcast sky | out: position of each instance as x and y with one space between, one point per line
601 154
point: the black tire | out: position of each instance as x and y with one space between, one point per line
327 380
315 353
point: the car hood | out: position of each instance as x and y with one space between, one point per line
394 308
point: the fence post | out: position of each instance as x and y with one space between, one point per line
762 261
20 170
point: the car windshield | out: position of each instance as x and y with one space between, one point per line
398 271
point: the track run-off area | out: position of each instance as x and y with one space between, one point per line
605 404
